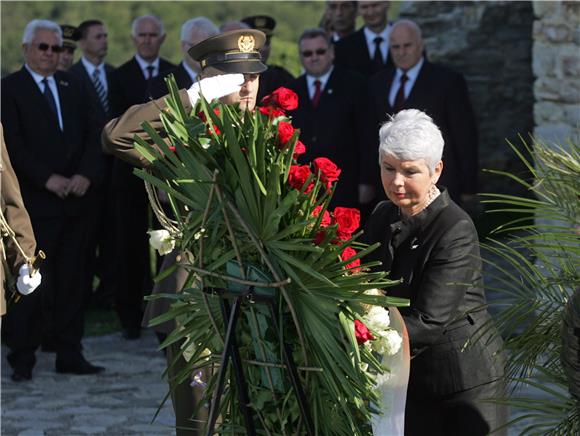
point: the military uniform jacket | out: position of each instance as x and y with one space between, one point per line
39 148
118 140
17 218
436 255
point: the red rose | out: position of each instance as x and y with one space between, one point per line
326 221
203 118
297 177
347 253
329 172
271 111
319 237
299 149
283 98
348 220
361 332
285 132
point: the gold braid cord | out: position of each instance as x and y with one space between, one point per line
168 224
8 232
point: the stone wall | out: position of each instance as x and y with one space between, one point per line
556 65
491 44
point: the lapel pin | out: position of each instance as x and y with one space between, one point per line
414 244
63 82
330 91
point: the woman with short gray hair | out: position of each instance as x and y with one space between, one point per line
430 244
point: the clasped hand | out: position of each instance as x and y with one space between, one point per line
62 186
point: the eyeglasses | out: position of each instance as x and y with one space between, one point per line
43 46
69 50
318 51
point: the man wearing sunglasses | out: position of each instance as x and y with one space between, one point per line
331 114
54 151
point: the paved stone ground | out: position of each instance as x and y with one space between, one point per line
121 401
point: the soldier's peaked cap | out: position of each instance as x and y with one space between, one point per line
261 22
70 35
231 52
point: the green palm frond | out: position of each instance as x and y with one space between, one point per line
535 272
227 178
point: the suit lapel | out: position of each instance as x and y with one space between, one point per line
420 87
328 93
182 77
303 97
64 94
383 90
36 95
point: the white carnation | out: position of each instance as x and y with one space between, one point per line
377 319
162 241
388 342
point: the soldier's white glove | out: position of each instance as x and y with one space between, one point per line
215 87
25 283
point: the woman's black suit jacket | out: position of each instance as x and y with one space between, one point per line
436 254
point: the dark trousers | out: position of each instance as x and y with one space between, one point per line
133 273
58 303
101 248
463 413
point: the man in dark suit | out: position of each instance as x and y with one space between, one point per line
94 73
331 114
367 49
275 76
193 31
341 18
130 85
54 149
437 91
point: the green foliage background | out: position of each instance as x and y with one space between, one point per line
292 18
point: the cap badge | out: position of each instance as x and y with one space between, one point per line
246 43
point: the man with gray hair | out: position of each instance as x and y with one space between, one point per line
52 142
130 85
193 31
416 83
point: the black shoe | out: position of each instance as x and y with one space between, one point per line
20 375
132 334
79 367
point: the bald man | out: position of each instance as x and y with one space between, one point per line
416 83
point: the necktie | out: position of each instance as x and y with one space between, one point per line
378 57
150 69
49 96
101 93
400 97
317 93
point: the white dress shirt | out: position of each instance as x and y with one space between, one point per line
323 79
102 74
412 74
192 73
52 85
384 46
144 64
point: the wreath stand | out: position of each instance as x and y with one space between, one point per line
230 316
